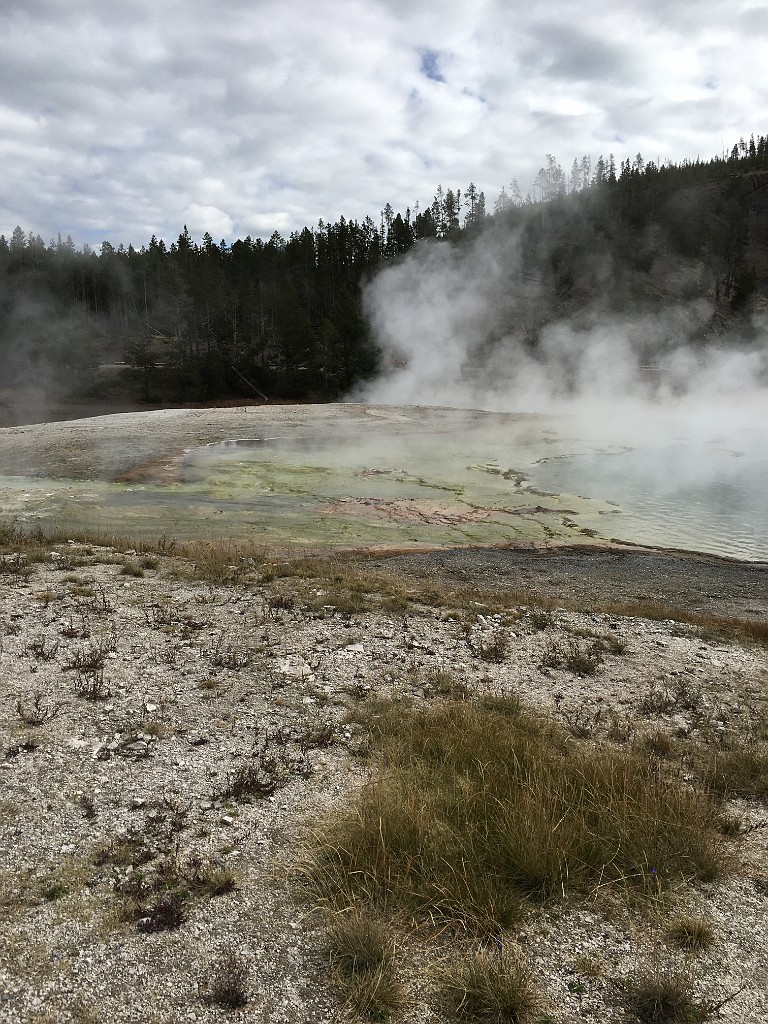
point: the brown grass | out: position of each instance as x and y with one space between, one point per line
477 809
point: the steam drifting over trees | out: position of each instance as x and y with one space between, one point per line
286 317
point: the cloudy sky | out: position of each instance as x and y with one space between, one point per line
242 117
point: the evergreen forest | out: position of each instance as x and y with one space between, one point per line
285 318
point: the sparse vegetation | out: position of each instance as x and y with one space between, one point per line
477 810
583 659
36 709
227 984
234 656
691 932
665 994
740 768
130 567
267 769
90 684
91 658
493 647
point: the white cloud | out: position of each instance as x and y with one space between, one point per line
121 119
210 219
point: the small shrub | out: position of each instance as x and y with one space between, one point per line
93 657
33 710
657 701
265 772
494 986
91 685
228 984
43 649
581 659
230 655
131 567
53 891
87 805
162 913
581 722
316 735
493 648
540 619
99 603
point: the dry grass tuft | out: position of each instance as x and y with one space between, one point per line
496 986
478 808
362 958
691 932
663 994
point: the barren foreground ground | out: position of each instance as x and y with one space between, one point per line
135 688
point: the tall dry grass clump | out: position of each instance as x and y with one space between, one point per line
477 808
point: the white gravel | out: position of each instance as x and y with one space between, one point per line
148 760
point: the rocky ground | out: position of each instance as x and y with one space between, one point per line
189 732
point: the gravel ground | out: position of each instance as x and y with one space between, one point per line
194 678
695 583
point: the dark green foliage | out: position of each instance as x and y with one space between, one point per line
284 317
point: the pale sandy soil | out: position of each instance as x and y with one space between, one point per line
194 676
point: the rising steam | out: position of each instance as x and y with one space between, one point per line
479 326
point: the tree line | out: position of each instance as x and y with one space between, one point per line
284 317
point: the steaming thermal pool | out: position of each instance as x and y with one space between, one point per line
379 476
706 494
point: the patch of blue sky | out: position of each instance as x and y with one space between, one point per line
430 65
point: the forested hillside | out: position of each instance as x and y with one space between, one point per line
286 318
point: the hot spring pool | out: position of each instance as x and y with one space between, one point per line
362 476
706 495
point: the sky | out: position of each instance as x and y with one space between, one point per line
245 117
